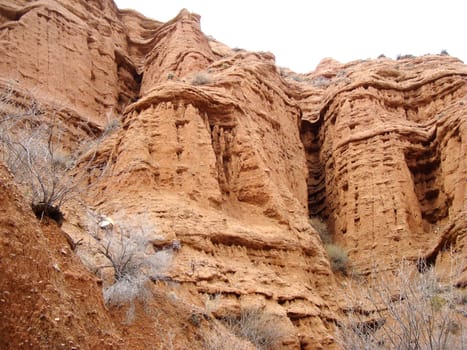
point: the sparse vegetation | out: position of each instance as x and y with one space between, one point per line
296 78
321 82
411 310
444 53
256 326
111 125
342 73
337 255
338 258
201 78
126 291
211 302
321 227
220 339
31 146
401 57
134 263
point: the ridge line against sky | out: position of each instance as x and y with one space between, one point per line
301 33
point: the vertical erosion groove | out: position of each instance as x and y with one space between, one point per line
222 138
316 183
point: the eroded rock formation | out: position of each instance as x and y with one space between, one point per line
228 154
386 154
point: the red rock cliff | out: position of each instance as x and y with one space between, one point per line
386 154
230 155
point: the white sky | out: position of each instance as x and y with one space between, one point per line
302 32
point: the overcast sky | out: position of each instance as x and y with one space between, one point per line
302 32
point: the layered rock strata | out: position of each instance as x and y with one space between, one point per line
386 154
224 155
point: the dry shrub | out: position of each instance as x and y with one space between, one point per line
256 326
31 144
338 258
111 125
221 339
321 227
126 291
402 57
31 148
124 242
412 310
201 78
321 82
135 265
211 302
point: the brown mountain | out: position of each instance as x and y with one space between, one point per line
222 160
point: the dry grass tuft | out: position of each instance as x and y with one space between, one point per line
256 326
338 258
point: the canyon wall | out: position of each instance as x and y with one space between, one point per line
386 154
227 156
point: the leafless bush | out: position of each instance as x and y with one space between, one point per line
402 57
126 291
111 125
410 311
135 264
31 141
201 78
129 257
256 326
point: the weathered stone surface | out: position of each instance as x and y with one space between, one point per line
79 53
229 155
386 152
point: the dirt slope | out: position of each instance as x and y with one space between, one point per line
48 298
